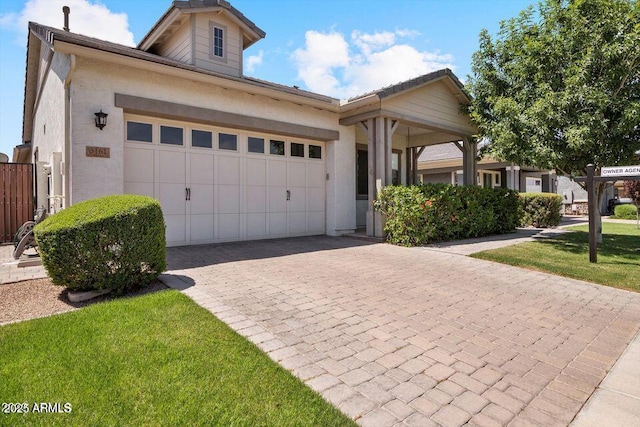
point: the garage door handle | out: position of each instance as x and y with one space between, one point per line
187 194
288 195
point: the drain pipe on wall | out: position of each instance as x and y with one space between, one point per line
67 132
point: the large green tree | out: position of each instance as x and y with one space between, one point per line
558 87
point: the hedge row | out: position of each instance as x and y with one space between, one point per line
416 215
114 242
540 209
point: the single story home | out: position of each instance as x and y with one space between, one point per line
444 164
228 156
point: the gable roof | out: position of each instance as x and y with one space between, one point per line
49 36
179 9
416 82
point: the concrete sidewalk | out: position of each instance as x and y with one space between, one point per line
616 401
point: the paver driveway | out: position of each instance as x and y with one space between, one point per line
400 336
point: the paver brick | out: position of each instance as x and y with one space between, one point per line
438 396
451 388
439 372
377 418
503 400
487 375
339 393
424 405
498 413
419 420
355 377
407 391
482 420
399 409
468 383
470 402
451 416
356 406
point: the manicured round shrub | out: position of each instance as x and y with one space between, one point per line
113 242
541 209
625 212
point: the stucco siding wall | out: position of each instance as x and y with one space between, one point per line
232 62
341 182
48 135
433 102
48 124
178 46
43 63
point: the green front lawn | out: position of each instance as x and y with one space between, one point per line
157 359
568 255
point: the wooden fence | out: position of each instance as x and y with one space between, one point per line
16 198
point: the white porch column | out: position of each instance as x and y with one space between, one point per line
379 144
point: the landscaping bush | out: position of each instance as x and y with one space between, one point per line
417 215
113 242
625 212
540 209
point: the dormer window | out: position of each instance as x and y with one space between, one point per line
218 41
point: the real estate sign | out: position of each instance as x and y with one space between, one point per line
620 171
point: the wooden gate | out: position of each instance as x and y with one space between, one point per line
16 198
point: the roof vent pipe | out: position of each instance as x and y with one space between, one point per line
66 11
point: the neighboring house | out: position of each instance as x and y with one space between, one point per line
229 157
443 164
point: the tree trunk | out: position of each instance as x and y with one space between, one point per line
599 188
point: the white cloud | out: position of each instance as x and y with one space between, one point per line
330 65
317 62
87 17
253 61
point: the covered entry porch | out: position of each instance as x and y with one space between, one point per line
393 127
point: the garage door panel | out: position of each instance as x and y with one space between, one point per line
228 226
256 199
315 199
297 222
277 173
201 169
172 198
277 199
228 172
278 224
228 199
176 229
315 175
256 225
201 199
201 227
297 173
256 171
138 165
171 167
140 188
315 222
298 202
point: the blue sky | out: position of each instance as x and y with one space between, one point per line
334 47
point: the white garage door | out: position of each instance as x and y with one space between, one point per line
217 185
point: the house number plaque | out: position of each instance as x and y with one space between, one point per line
103 152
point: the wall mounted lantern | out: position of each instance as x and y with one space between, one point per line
101 119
